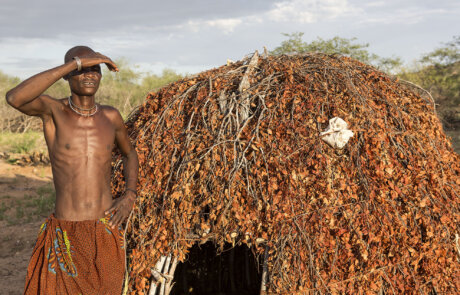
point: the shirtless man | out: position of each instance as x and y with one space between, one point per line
80 248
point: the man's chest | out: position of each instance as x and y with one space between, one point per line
81 134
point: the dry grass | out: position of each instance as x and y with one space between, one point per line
20 143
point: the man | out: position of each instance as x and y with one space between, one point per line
80 248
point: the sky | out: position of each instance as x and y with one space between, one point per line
190 36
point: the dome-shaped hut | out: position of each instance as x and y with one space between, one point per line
236 156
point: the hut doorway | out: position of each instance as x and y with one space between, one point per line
233 271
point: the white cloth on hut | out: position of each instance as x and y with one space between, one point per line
337 133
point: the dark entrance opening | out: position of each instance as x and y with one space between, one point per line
231 272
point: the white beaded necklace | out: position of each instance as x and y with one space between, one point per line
74 108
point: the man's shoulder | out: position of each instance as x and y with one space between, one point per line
109 110
48 99
112 113
55 104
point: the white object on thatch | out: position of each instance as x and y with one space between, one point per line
337 133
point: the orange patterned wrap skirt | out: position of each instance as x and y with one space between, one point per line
77 257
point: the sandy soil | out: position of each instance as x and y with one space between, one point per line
17 237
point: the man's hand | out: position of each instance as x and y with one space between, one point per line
121 208
96 58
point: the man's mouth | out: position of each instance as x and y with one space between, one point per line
89 84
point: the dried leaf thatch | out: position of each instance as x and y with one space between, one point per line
234 155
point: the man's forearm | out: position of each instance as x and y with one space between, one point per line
33 87
131 169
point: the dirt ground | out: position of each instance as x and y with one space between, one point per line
31 189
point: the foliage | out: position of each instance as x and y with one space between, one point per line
7 82
154 82
10 119
18 143
336 45
448 54
120 89
3 209
60 89
439 73
455 138
127 88
233 155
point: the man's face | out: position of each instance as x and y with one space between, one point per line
86 81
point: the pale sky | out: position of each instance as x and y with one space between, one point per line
194 35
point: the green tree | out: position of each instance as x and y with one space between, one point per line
128 88
439 73
445 55
336 45
153 82
6 83
59 89
120 89
8 116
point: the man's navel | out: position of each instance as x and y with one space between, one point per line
67 146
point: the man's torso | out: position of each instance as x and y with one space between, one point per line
80 151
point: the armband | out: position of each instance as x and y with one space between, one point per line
77 59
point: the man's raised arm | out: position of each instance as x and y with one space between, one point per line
27 96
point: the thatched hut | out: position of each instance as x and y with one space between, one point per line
234 157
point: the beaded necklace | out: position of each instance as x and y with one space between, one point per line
74 108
